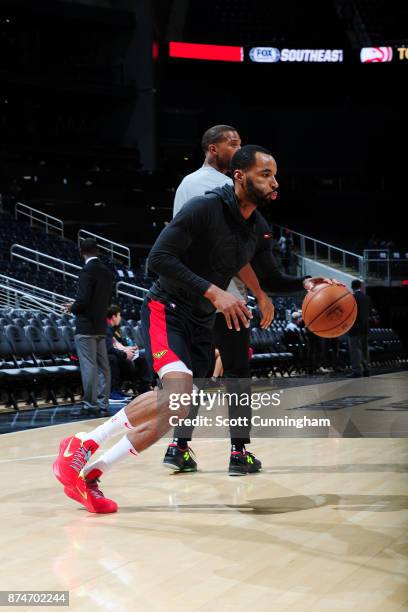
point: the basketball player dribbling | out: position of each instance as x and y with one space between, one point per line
219 143
195 257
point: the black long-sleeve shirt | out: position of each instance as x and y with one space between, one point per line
207 243
94 295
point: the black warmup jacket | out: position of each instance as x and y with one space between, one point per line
93 298
207 243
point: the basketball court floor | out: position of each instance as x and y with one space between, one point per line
324 526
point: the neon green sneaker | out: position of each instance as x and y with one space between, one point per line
243 463
179 460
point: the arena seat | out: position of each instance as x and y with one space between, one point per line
270 354
38 354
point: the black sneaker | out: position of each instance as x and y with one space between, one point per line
243 463
179 460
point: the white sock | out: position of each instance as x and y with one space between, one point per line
119 451
117 424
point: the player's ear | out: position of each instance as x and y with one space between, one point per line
238 175
212 149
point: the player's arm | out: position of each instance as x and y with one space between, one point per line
165 259
248 276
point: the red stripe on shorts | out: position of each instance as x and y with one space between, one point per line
161 352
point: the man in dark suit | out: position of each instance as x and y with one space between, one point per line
358 334
90 306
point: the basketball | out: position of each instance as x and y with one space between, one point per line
329 310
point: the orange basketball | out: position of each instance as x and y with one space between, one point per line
329 310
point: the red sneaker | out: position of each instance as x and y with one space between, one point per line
73 455
89 495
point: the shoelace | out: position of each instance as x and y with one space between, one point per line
189 451
185 450
93 486
79 459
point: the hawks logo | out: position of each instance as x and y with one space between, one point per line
159 354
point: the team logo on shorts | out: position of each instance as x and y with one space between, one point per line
159 354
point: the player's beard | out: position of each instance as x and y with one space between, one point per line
256 196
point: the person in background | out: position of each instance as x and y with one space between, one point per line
295 338
285 245
294 323
127 363
358 334
94 294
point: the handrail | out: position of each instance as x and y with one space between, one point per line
44 219
119 291
125 254
35 260
37 301
16 291
392 265
386 251
358 260
9 279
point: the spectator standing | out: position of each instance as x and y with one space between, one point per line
90 306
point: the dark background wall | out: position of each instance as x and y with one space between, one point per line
338 132
80 90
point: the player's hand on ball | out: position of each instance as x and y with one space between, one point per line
311 283
267 309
